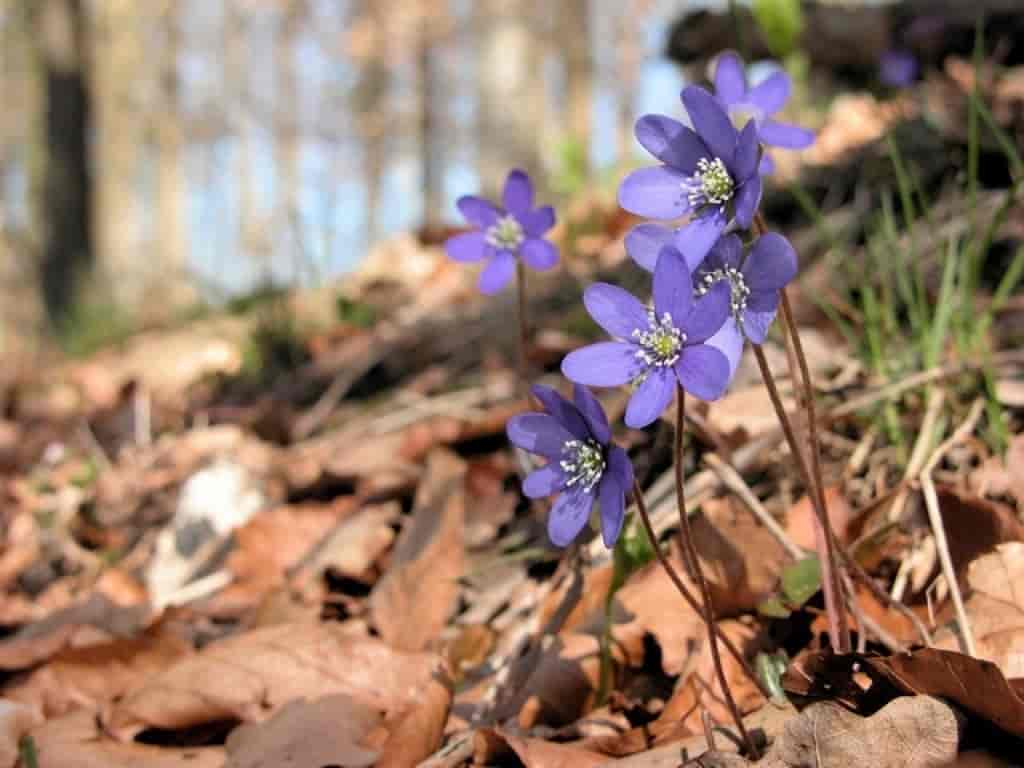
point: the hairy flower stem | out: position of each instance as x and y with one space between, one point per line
524 331
680 585
839 634
826 553
686 536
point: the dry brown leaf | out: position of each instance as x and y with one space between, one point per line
411 604
975 685
358 541
327 731
741 559
1002 475
76 741
800 518
248 676
88 677
494 746
908 732
975 525
95 620
995 609
16 719
416 734
744 413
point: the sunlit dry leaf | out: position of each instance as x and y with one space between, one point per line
248 676
1002 475
87 677
76 741
995 609
327 731
16 719
909 732
416 734
800 518
412 602
975 525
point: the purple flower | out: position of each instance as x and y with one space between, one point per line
754 283
503 234
757 105
659 346
583 465
897 69
710 172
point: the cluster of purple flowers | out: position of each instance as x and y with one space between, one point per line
712 288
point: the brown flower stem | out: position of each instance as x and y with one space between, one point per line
812 476
833 606
680 585
686 535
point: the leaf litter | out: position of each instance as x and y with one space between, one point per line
355 578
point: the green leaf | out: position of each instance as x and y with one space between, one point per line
770 667
781 22
773 608
801 580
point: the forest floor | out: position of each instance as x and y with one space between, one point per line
296 537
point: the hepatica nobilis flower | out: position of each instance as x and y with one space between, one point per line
659 346
758 105
504 234
583 465
709 171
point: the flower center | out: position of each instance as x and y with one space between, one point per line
659 346
506 233
739 291
583 463
710 184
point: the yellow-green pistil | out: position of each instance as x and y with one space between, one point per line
583 463
506 234
710 184
659 346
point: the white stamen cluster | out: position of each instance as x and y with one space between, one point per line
583 463
659 346
506 234
739 291
710 184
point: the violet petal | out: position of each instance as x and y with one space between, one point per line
708 314
467 246
711 122
651 398
542 482
645 241
673 286
517 196
655 193
605 364
613 508
615 309
770 94
703 371
478 212
538 433
497 273
670 142
593 414
539 254
785 135
564 412
730 80
771 264
568 515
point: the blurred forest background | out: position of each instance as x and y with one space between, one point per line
157 156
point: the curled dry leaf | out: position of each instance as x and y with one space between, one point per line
975 525
327 731
411 604
493 746
417 733
975 685
1002 475
908 732
800 518
76 741
248 676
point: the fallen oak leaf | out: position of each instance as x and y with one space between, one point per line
492 746
327 731
418 733
248 676
411 603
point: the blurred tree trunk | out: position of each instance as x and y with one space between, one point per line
370 104
117 62
286 134
59 181
629 74
170 279
431 151
574 27
510 111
